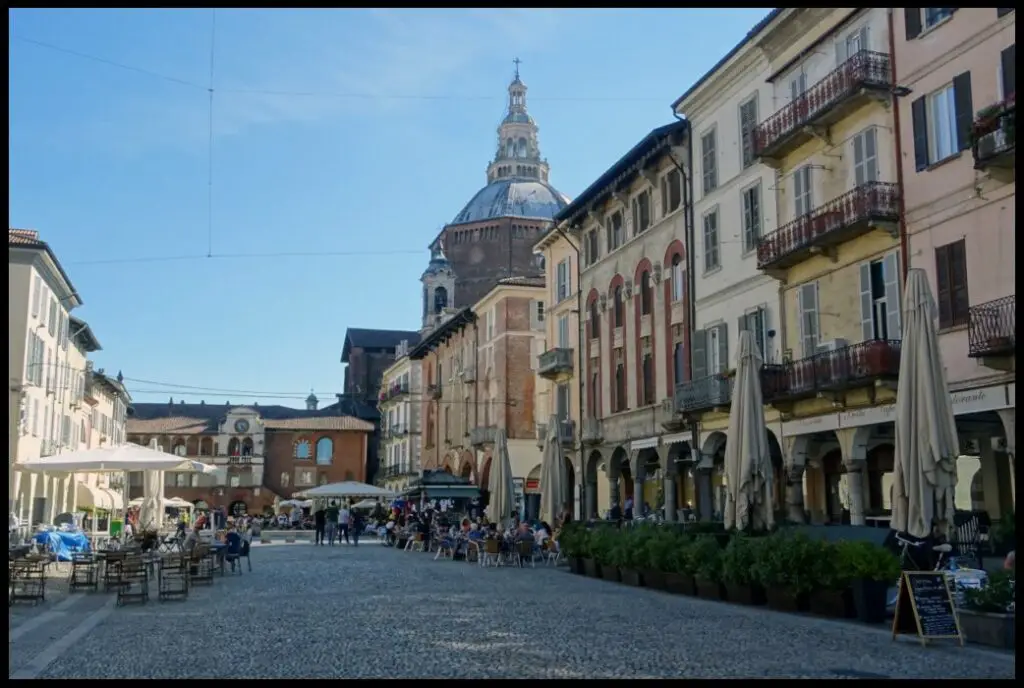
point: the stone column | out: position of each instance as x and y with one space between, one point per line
613 489
795 493
669 488
590 497
705 501
853 444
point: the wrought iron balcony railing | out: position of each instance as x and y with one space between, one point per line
863 72
482 435
704 393
555 362
994 135
844 368
839 220
992 328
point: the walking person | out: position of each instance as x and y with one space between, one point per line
344 516
332 523
358 524
319 525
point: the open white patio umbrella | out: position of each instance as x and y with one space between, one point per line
924 479
552 475
344 490
748 470
499 484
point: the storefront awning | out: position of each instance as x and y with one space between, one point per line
96 497
442 491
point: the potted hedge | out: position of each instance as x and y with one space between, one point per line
785 570
604 552
987 617
681 567
739 559
831 596
1003 535
630 556
595 549
658 555
707 561
873 570
572 544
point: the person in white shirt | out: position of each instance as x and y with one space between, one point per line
344 518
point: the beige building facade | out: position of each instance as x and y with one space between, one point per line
399 405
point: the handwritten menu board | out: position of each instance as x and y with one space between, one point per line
925 607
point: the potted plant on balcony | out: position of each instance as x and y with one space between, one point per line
739 559
988 615
872 570
785 570
707 557
832 595
681 567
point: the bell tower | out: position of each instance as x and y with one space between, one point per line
438 288
518 155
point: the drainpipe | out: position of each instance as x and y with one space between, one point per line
898 142
580 372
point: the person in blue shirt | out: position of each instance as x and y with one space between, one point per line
234 546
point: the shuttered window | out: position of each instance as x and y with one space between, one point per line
802 200
755 323
709 161
951 279
807 307
865 157
880 298
671 192
851 44
751 216
748 125
1008 68
712 260
942 122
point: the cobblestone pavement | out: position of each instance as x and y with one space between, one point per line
375 612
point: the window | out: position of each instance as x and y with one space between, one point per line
710 351
440 300
807 307
678 278
536 323
951 279
619 396
751 216
613 229
679 363
853 43
754 321
593 394
748 125
37 293
880 298
641 212
711 257
562 401
563 332
671 192
179 449
709 162
305 478
51 324
1003 11
919 19
647 377
595 321
942 122
35 418
798 85
492 317
324 451
302 449
591 247
865 157
617 306
717 362
1008 72
646 293
562 281
802 201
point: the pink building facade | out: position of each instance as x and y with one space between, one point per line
957 133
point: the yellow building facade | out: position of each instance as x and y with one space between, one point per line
836 256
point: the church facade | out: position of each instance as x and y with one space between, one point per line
492 237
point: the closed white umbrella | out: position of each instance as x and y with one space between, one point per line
924 479
748 470
502 499
151 513
552 475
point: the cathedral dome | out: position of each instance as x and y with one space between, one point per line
513 197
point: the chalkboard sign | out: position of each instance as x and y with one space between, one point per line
924 607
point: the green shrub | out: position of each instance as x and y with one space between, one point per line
787 561
705 557
997 597
739 558
867 561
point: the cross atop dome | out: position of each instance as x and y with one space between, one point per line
516 61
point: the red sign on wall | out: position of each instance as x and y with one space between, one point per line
532 484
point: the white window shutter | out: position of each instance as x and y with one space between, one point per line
867 321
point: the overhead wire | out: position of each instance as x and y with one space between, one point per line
245 256
209 145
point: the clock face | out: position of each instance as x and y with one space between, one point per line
241 425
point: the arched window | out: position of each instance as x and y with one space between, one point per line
247 447
646 293
302 449
679 356
617 307
647 371
426 300
179 449
620 387
510 148
233 447
678 284
522 148
595 321
440 300
324 451
595 389
285 479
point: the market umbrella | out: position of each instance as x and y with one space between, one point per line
748 469
151 513
347 489
924 479
502 503
552 475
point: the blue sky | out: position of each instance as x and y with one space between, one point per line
334 131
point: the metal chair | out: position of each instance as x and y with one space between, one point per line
27 581
201 566
133 581
173 578
85 572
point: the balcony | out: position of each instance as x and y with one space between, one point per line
992 332
704 394
874 205
831 373
555 363
47 448
592 432
567 433
994 137
482 435
864 77
393 392
397 430
434 391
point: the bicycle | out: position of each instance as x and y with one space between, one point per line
959 578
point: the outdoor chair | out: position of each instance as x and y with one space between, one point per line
133 581
491 553
112 569
201 566
231 557
967 538
525 550
173 578
445 548
416 544
245 554
27 581
550 552
85 573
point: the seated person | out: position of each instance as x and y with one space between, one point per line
234 546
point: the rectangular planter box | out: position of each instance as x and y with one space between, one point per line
610 573
708 590
752 595
784 601
835 604
679 584
576 566
993 630
631 577
592 568
400 543
654 580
